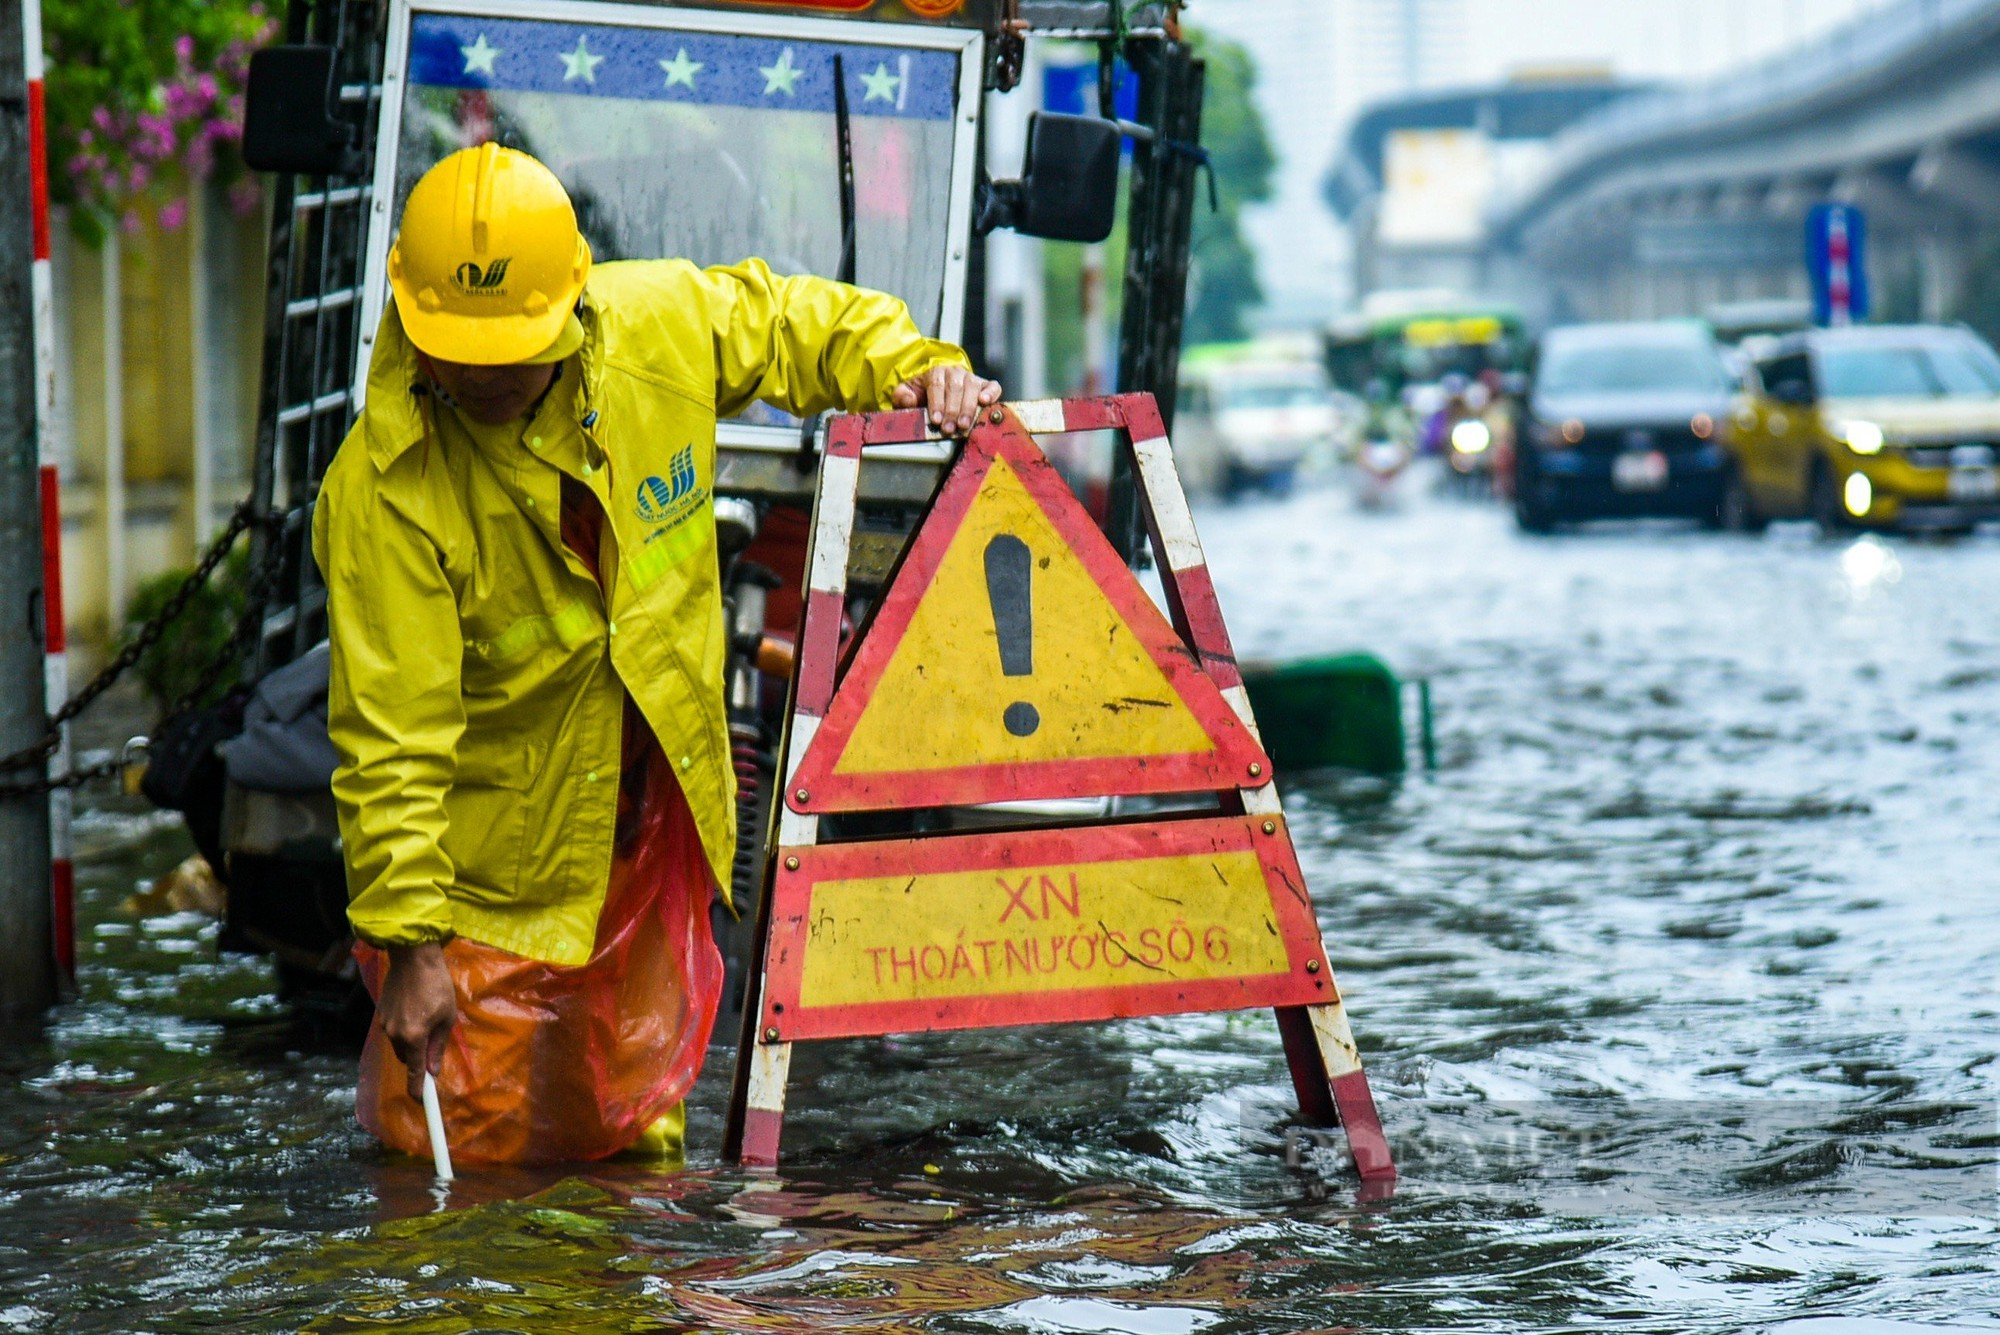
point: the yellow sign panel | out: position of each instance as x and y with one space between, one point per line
1016 657
948 698
1039 929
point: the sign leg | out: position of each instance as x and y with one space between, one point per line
764 1114
757 1089
745 1090
1309 1073
1332 1087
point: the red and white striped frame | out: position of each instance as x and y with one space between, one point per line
62 867
1318 1041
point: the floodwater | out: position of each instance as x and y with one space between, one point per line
1677 981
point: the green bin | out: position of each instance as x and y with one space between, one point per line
1343 711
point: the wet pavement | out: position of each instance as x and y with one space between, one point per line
1679 983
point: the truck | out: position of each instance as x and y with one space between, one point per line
847 138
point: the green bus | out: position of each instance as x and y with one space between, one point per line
1376 353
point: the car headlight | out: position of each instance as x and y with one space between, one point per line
1470 436
1860 435
1858 494
1556 435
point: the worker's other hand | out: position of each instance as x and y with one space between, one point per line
418 1009
954 396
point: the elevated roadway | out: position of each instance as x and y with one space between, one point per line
1673 202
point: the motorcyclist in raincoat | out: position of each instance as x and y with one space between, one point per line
535 789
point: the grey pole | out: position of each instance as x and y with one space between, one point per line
27 939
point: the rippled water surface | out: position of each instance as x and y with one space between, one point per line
1677 981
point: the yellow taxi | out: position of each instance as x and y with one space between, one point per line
1872 425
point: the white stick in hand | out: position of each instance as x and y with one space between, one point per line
434 1119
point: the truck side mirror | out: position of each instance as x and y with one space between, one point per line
1068 189
288 114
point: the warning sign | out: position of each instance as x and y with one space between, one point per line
1017 657
1038 926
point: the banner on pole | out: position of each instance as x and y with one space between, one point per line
1837 263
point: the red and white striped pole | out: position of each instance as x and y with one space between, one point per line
62 878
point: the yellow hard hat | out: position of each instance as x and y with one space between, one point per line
489 264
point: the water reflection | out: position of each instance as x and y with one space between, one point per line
1869 562
896 1256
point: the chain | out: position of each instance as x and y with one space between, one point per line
257 587
39 753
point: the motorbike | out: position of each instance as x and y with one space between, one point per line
1378 464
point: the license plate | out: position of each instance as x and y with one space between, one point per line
1974 484
1639 471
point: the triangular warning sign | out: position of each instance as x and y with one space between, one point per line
1016 657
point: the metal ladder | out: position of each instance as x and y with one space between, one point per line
314 275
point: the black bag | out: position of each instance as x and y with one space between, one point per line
283 746
184 773
181 759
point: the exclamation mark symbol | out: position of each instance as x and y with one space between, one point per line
1009 567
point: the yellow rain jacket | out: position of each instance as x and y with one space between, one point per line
477 667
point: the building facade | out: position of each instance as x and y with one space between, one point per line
159 338
1420 175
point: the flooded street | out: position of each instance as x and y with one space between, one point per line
1679 983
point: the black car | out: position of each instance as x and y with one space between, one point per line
1624 420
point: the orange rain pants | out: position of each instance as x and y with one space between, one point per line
549 1063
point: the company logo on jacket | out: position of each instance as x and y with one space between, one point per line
669 500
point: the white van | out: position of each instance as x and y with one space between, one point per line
1250 426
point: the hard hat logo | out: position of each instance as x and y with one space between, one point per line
469 277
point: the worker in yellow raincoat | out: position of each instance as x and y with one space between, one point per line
517 537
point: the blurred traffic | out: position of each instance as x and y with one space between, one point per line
1726 265
1730 421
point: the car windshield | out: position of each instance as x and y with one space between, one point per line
709 146
1272 394
1606 368
1959 368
